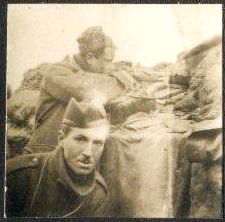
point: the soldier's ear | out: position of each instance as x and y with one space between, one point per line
90 57
61 135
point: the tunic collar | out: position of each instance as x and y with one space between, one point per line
78 60
81 185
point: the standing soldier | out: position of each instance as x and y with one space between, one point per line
64 182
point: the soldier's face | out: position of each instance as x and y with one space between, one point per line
83 148
104 62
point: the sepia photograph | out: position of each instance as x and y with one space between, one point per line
114 110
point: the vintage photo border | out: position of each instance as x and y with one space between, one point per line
3 53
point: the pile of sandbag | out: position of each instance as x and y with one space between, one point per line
199 72
139 165
192 85
21 108
204 95
145 164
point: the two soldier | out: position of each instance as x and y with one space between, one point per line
86 76
65 182
62 179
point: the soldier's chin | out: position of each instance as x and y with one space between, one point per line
83 171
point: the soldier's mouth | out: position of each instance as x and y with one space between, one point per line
85 165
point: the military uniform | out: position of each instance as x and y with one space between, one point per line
39 185
61 82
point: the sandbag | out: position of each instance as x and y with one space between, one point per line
140 164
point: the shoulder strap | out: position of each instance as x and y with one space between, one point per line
101 181
21 162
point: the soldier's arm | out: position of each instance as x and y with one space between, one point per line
125 106
62 84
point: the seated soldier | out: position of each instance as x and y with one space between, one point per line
64 182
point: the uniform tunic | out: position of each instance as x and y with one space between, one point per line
39 185
61 82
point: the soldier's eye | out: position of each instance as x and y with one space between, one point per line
98 142
80 138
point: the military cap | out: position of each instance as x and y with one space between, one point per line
84 115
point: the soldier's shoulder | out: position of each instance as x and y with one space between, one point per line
100 181
68 63
64 68
24 162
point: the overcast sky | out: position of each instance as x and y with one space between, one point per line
146 34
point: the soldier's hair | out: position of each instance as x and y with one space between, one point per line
93 40
66 129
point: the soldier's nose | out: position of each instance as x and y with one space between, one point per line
87 155
88 151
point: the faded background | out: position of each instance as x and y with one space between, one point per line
146 34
